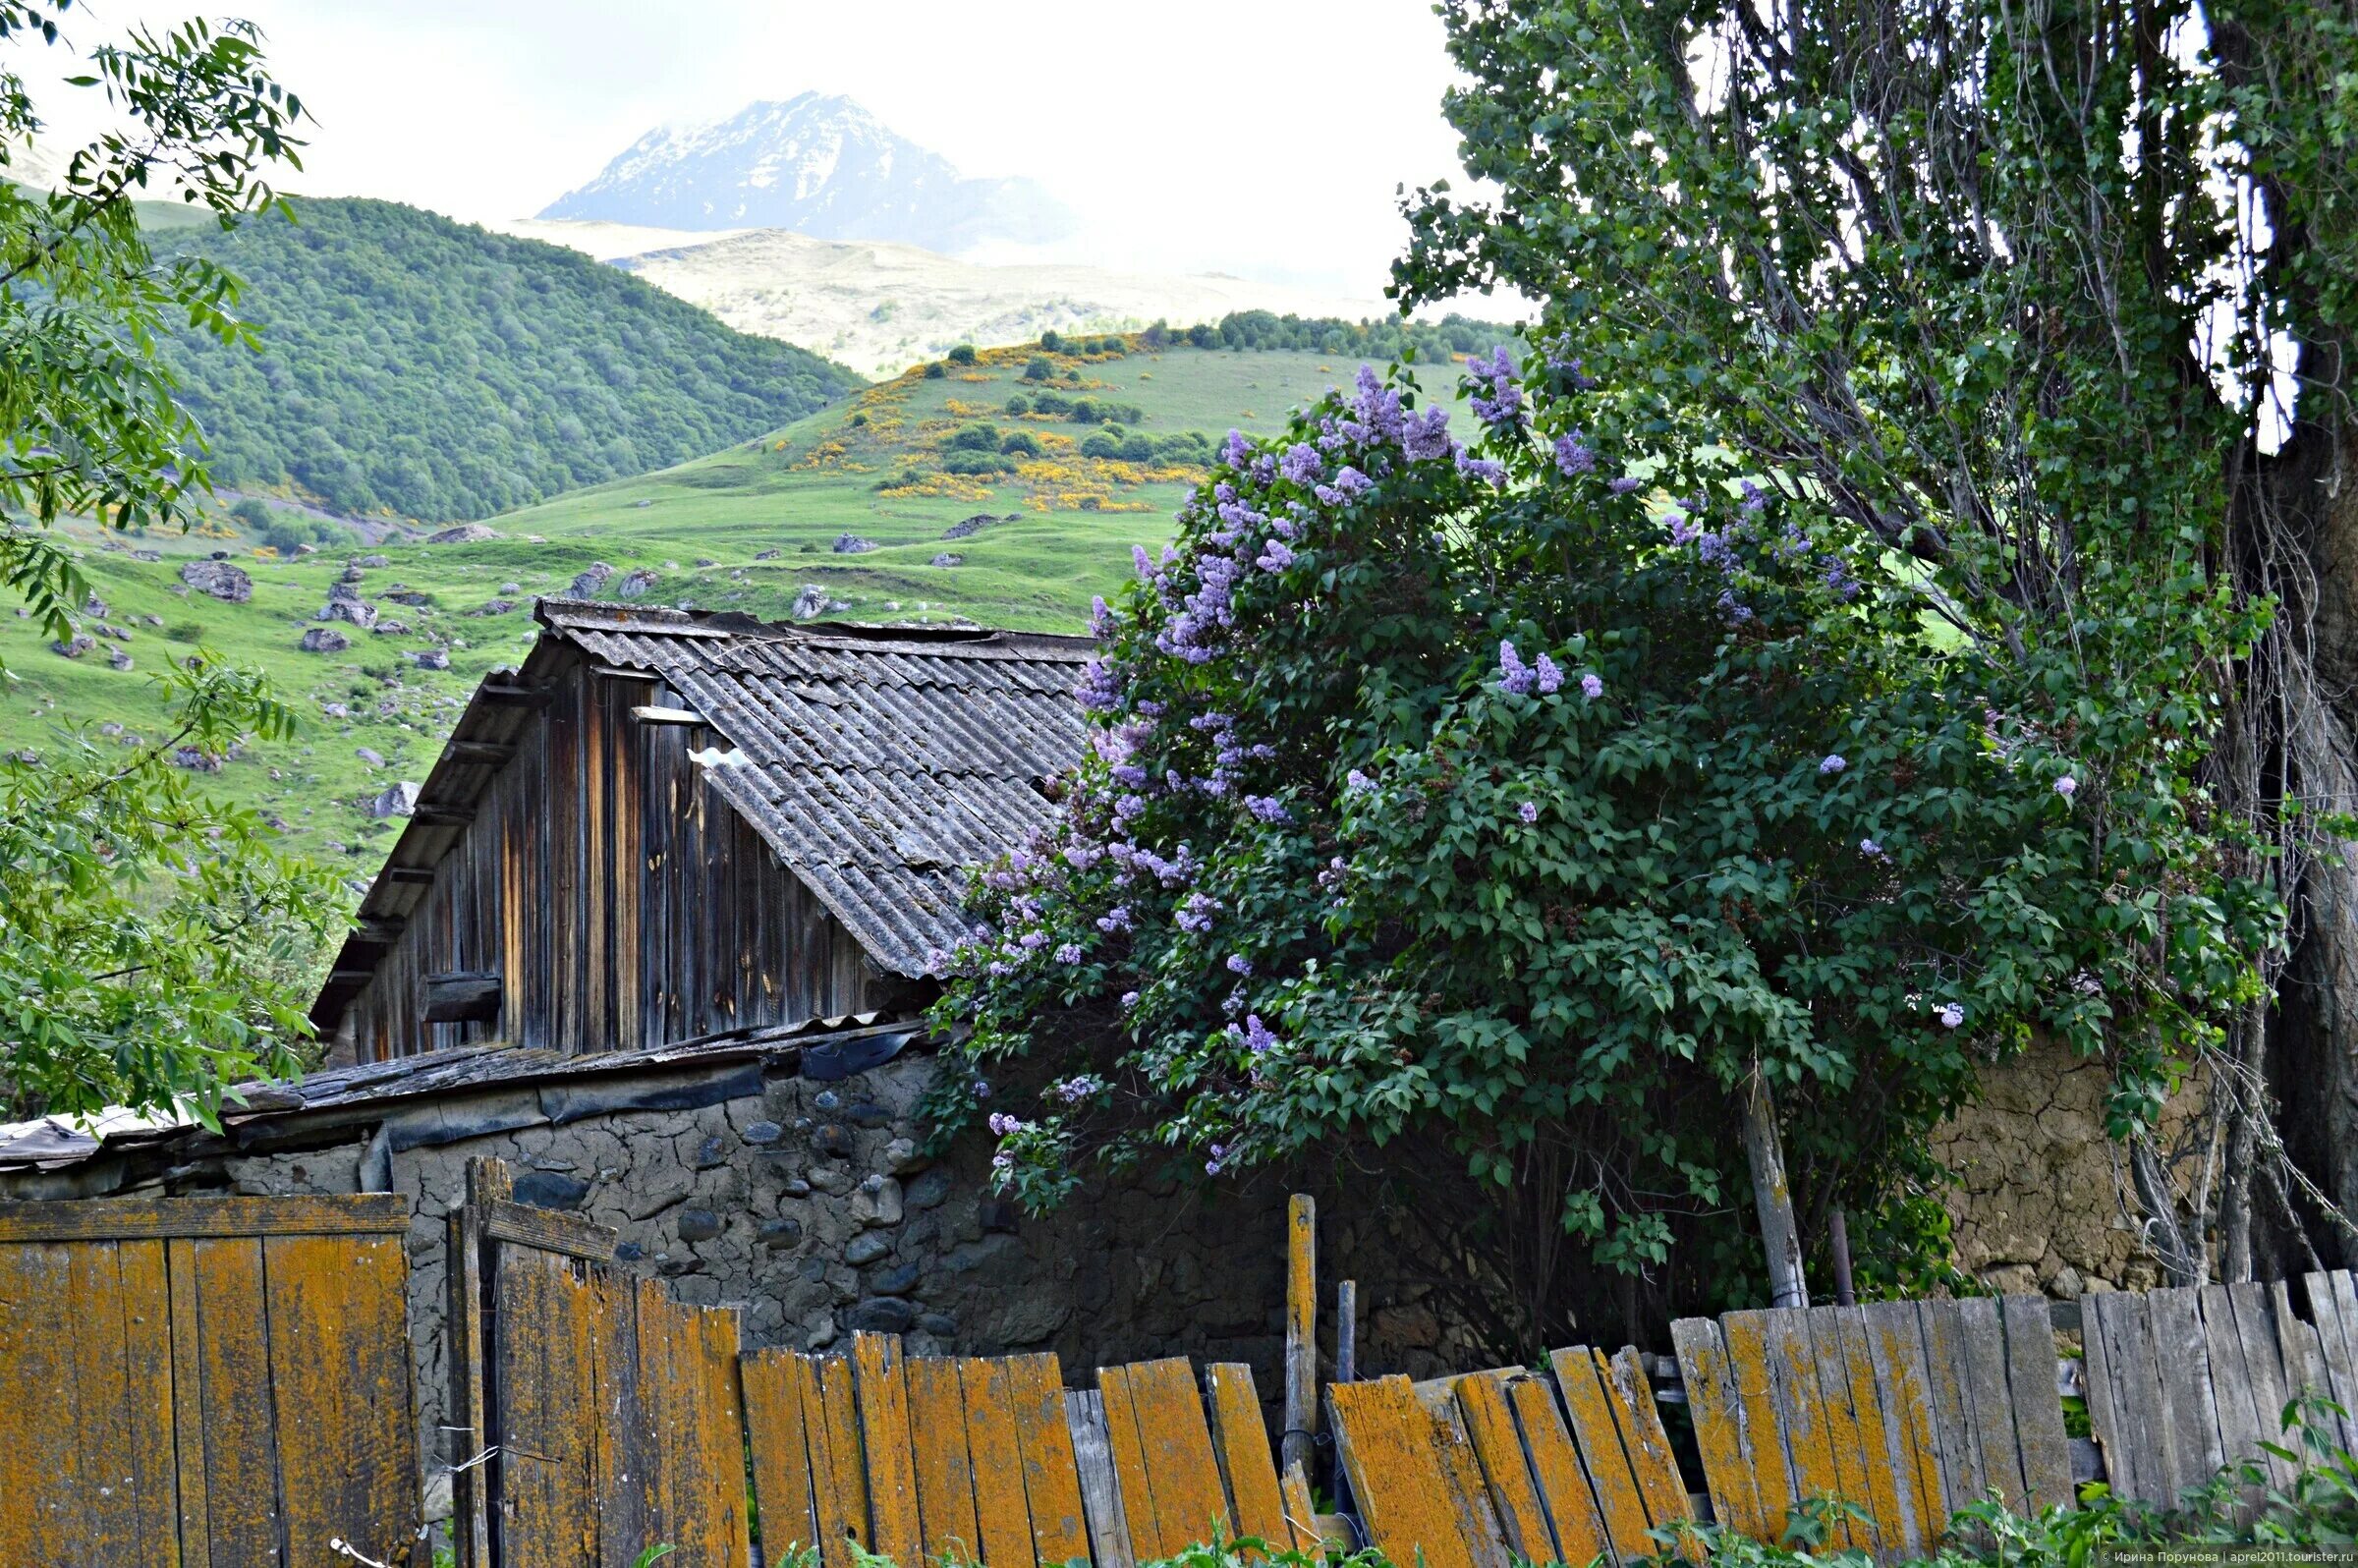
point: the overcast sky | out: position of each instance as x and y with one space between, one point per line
1260 136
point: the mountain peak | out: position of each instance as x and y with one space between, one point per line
816 164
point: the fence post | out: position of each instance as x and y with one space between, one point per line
470 1416
1299 1445
1771 1197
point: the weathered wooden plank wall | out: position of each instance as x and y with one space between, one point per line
205 1382
620 903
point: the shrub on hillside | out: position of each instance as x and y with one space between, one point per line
1038 368
963 353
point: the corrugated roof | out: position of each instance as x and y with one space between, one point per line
880 764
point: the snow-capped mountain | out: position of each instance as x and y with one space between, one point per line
819 165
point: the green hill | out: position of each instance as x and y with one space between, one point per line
860 504
438 372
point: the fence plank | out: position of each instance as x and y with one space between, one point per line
148 1396
1895 1350
2037 1409
1745 1335
1992 1406
2263 1360
1001 1513
1190 1507
340 1385
620 1448
1571 1502
90 1413
945 1474
220 1219
1100 1494
724 1403
1580 1374
1801 1408
541 1377
2239 1419
839 1421
1718 1422
1883 1451
240 1448
2182 1360
1963 1476
1385 1438
1845 1434
1247 1466
1131 1476
1645 1443
2335 1342
1051 1479
884 1440
1499 1446
187 1399
2134 1361
773 1417
1461 1474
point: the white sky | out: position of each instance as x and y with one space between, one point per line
1259 137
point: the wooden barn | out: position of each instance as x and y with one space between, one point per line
671 826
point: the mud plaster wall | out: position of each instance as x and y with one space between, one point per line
2040 1202
810 1206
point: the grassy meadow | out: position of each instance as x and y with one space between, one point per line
746 528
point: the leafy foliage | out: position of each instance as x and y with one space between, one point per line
430 368
1502 805
2044 300
154 943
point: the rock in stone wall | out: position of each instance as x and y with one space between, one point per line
2042 1201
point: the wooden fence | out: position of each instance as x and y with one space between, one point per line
211 1383
205 1382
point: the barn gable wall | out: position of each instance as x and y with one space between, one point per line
621 901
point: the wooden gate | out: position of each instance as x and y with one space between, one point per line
205 1382
601 1418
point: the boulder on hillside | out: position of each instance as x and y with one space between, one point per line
815 600
74 647
853 544
492 607
370 755
373 560
637 585
118 660
432 658
355 611
464 534
220 579
147 555
767 555
95 607
949 558
324 639
592 578
398 799
195 760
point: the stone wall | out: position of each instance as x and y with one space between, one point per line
2042 1201
811 1208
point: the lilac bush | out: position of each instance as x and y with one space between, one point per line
1489 811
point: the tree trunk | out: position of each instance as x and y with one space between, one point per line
1779 1233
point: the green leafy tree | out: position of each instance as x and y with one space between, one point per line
2057 302
1496 819
149 938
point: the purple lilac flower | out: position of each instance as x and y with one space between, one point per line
1547 677
1302 462
1497 402
1427 435
1100 689
1001 1124
1357 783
1255 1036
1073 1090
1117 918
1529 811
1235 450
1128 807
1142 561
1488 470
1591 687
2067 786
1101 619
1349 485
1267 808
1129 1000
1951 1015
1239 963
1195 913
1515 678
1069 953
1833 763
1624 484
1274 556
1573 455
1754 498
1871 849
979 1088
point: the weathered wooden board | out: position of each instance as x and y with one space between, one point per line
1583 1379
2188 1407
945 1474
1718 1418
1489 1422
1894 1338
1001 1512
1461 1475
1247 1464
1563 1481
1745 1335
1128 1447
1051 1477
773 1419
1101 1492
884 1441
1385 1438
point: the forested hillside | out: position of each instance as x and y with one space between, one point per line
444 372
